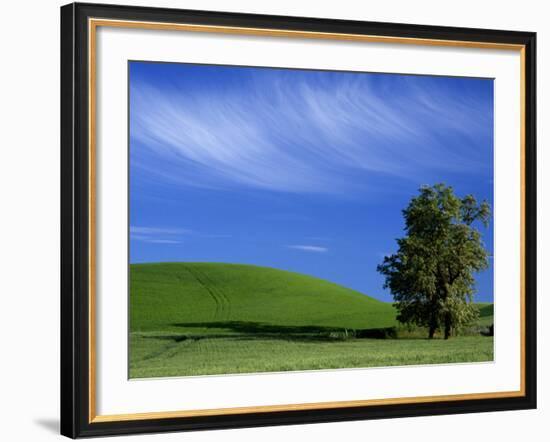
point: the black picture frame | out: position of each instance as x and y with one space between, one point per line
75 221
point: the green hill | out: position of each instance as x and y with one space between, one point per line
486 312
171 296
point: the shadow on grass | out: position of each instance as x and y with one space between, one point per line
246 330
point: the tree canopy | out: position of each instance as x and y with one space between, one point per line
431 276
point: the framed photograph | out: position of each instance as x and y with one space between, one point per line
274 220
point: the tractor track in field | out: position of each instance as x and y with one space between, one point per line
222 302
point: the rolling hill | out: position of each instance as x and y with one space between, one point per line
172 296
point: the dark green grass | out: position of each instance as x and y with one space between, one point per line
209 318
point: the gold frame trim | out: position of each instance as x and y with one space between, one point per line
93 24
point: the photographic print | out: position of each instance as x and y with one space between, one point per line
290 219
271 220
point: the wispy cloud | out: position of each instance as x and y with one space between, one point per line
162 241
138 230
308 132
158 235
168 235
308 248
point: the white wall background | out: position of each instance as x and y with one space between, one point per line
29 220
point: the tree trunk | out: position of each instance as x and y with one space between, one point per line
431 333
448 326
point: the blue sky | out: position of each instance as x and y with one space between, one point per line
300 170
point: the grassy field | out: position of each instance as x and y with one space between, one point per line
209 318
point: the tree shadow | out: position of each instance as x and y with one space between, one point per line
247 330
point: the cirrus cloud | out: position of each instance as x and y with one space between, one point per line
308 248
304 131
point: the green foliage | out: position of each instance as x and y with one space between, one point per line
431 275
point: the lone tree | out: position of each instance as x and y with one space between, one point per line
431 275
